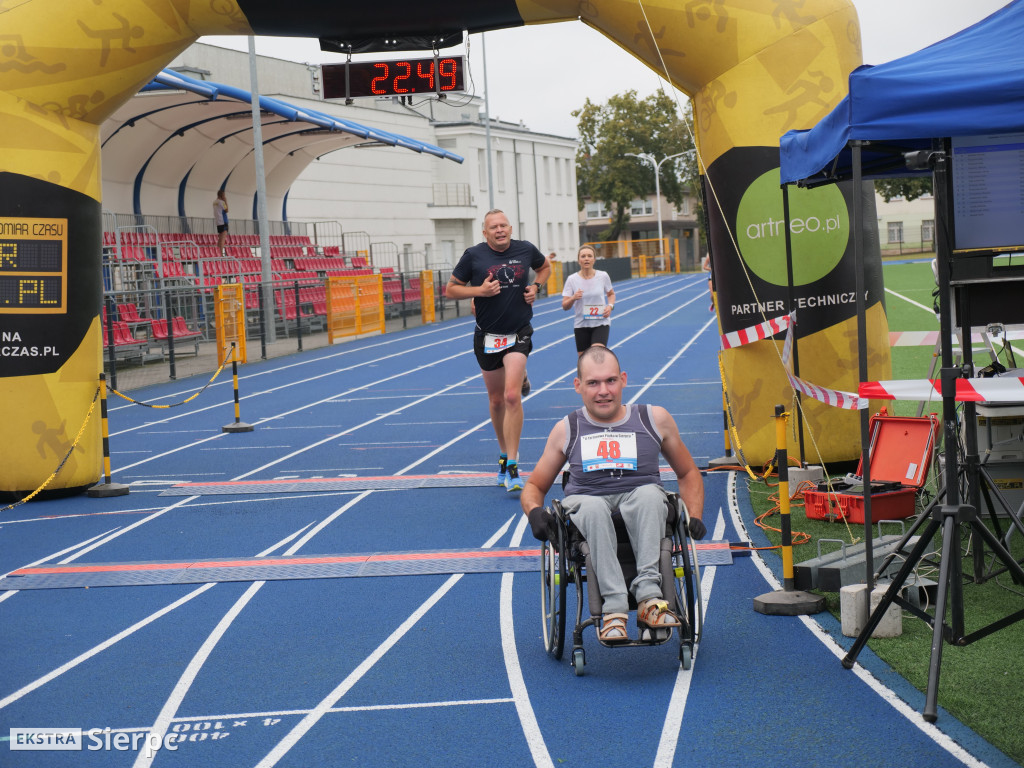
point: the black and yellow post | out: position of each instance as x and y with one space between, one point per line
106 488
789 601
238 425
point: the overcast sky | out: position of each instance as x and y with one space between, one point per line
540 74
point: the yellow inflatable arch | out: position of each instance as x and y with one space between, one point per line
754 69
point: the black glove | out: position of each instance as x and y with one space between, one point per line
543 524
696 528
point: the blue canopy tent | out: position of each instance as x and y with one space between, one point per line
970 84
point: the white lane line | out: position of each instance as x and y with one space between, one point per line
553 382
318 713
885 693
311 360
11 592
334 398
170 707
930 310
681 690
520 693
675 357
298 731
457 326
327 703
119 532
39 682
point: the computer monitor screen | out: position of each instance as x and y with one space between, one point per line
988 192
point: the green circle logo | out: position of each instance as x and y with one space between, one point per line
819 230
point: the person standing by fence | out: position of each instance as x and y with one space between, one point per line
220 219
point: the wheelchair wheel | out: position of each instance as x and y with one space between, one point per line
552 597
687 582
685 656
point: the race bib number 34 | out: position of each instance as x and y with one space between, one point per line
608 450
495 343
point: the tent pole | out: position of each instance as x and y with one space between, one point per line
862 363
789 308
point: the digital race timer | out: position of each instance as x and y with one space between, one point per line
33 266
393 78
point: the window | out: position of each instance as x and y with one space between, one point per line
519 173
596 210
569 183
481 161
641 207
550 231
895 231
547 175
499 170
927 230
561 236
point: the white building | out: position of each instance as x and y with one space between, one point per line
906 227
416 208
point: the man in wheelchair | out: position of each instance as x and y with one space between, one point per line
613 451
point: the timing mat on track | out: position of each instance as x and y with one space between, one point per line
417 563
378 483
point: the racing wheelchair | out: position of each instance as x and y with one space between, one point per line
565 560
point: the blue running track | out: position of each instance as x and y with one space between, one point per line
423 669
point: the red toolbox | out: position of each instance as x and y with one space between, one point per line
900 454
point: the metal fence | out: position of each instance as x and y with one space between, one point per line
163 329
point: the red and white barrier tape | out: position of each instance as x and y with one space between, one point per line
999 389
754 333
833 397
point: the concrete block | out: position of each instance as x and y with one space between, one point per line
854 614
853 609
813 474
891 624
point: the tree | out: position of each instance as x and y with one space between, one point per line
627 124
909 188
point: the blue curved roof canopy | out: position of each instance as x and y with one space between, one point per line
168 149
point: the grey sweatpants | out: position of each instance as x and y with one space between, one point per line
644 512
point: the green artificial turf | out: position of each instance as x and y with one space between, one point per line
981 683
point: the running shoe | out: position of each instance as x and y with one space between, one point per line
512 480
502 463
526 386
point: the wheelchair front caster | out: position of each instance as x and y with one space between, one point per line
686 656
578 661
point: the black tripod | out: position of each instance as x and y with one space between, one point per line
947 517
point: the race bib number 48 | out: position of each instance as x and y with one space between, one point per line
495 343
608 450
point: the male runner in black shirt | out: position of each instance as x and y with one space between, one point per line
495 275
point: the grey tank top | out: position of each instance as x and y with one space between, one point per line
604 482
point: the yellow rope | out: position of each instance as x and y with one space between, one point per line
189 399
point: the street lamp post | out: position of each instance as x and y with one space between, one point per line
647 157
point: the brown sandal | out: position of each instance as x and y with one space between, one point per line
613 628
654 614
